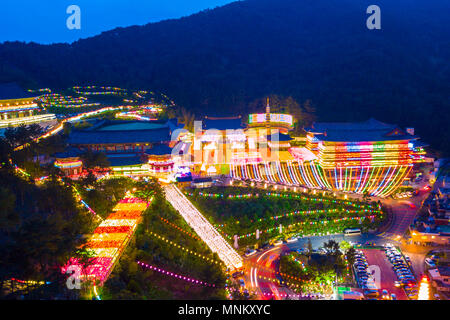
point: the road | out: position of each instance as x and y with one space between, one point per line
387 275
264 265
257 265
404 212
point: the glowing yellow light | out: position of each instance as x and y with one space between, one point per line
424 289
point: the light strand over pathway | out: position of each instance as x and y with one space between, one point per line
203 228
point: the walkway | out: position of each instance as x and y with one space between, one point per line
203 228
111 238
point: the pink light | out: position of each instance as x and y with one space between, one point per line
176 275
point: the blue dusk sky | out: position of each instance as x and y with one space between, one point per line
44 21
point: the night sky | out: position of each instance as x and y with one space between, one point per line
44 21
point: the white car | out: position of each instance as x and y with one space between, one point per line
430 262
278 242
292 239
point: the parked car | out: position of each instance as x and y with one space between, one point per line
371 293
361 265
431 263
393 296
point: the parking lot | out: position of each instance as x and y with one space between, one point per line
387 277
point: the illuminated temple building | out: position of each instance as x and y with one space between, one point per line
131 147
69 162
160 161
224 142
366 157
369 157
219 141
18 107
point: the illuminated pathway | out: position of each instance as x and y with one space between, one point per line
110 239
203 228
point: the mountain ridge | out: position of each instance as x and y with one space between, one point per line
217 61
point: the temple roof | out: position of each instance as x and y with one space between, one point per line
159 150
10 91
370 124
223 123
119 136
69 153
124 160
279 137
184 179
370 130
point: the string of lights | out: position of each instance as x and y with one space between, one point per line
295 213
174 244
77 193
385 175
179 229
336 221
279 195
174 275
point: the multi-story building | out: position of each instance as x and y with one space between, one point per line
18 107
363 157
440 278
131 147
369 156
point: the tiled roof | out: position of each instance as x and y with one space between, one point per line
184 179
222 123
80 137
370 130
159 150
370 124
125 161
69 153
